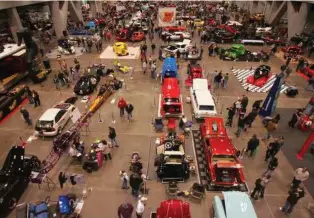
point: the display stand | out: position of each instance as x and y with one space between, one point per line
42 179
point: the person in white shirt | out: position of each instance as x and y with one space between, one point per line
140 208
300 175
125 179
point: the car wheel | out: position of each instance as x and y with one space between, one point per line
12 203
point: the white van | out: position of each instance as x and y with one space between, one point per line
202 101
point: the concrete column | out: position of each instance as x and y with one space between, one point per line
278 11
268 9
14 22
59 15
297 18
93 8
75 10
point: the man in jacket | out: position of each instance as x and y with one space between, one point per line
300 175
249 119
125 210
294 195
244 102
129 109
231 113
273 164
241 124
252 145
26 116
135 183
121 105
272 149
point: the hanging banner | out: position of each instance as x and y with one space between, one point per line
166 17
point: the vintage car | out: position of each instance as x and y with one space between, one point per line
170 99
53 120
257 17
11 100
222 36
228 28
15 176
260 31
270 40
172 209
86 85
198 23
308 70
170 161
65 47
224 167
120 48
138 36
122 35
169 68
174 28
293 52
194 71
232 205
172 49
260 77
237 52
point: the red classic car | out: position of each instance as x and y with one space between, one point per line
99 21
260 77
270 40
172 209
293 51
137 36
170 101
308 70
194 72
225 169
122 35
228 28
174 28
212 22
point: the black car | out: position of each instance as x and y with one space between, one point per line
11 100
15 176
222 36
86 85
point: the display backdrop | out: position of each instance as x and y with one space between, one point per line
166 16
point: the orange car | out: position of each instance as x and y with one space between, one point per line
137 36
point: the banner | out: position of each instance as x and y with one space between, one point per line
167 17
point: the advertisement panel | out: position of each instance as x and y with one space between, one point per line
166 17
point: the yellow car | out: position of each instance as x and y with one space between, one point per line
120 48
198 23
257 16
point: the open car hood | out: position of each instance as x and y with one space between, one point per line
229 165
14 162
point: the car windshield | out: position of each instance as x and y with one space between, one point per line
207 107
44 123
172 100
172 48
223 158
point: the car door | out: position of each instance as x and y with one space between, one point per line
60 119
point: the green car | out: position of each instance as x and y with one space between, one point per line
237 52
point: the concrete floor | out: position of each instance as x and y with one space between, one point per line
139 135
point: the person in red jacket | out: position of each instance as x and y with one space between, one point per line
121 105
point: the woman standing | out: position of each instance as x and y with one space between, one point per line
112 136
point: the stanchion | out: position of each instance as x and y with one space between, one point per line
125 88
99 116
222 107
113 119
154 105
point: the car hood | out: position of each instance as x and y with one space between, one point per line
14 162
229 165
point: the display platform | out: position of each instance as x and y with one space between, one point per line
53 54
280 55
134 53
243 74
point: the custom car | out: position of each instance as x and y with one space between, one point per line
11 100
224 167
120 48
260 77
238 53
198 23
65 47
293 51
15 176
222 36
195 71
122 35
138 36
86 85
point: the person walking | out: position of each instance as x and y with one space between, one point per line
144 66
225 80
259 188
295 118
35 96
273 164
300 175
153 70
231 113
244 102
252 145
121 105
135 182
107 150
26 116
153 46
29 95
237 106
56 81
295 194
272 149
271 126
112 136
300 64
140 208
241 125
129 109
125 179
217 80
249 119
125 210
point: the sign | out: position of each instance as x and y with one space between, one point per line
75 115
166 17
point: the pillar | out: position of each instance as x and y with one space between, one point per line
267 10
75 11
278 10
93 8
59 15
297 17
14 22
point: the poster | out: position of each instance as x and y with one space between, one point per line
166 17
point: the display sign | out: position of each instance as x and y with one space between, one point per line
166 17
